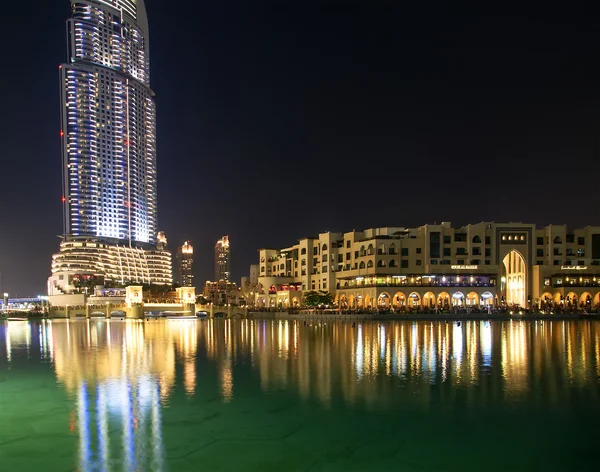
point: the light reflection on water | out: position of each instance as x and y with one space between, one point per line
122 374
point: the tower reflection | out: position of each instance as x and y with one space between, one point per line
122 375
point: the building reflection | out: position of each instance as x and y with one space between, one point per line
120 375
366 364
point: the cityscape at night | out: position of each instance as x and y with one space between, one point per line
317 236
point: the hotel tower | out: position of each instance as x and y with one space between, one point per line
108 136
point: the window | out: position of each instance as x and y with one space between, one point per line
557 240
540 241
556 262
539 262
418 250
380 263
447 251
303 251
477 251
460 237
580 263
404 251
347 256
393 263
461 251
324 247
487 262
460 261
324 258
580 240
570 238
540 253
355 254
348 244
418 262
476 239
488 252
315 250
475 261
362 265
340 258
369 264
433 261
557 252
580 252
447 239
488 240
404 264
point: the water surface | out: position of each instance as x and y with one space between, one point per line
252 395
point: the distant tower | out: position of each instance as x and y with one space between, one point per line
222 260
185 263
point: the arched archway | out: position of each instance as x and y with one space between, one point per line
585 299
558 297
472 299
515 280
384 300
487 298
343 301
572 299
458 298
414 299
295 302
399 299
596 299
429 300
367 299
443 299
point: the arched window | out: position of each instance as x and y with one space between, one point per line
476 239
303 251
324 248
381 250
362 265
262 259
262 269
363 252
381 264
393 263
281 266
370 250
557 240
369 264
392 250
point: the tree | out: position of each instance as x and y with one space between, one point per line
314 299
200 300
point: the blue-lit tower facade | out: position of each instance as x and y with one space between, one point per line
108 135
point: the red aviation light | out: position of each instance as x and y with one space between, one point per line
62 133
64 199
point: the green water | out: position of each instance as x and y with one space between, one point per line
243 395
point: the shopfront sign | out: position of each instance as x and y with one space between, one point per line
573 267
464 267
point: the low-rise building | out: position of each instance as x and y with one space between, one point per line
437 266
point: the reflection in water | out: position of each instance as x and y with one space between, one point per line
122 374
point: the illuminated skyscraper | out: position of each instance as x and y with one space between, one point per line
222 261
108 135
185 264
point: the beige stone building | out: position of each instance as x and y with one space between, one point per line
437 265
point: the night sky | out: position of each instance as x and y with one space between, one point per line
280 120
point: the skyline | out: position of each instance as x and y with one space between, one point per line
288 100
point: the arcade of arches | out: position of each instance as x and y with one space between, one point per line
397 299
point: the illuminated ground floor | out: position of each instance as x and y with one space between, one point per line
431 297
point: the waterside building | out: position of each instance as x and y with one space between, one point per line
437 266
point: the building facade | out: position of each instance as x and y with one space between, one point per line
430 266
222 293
108 136
185 265
222 259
